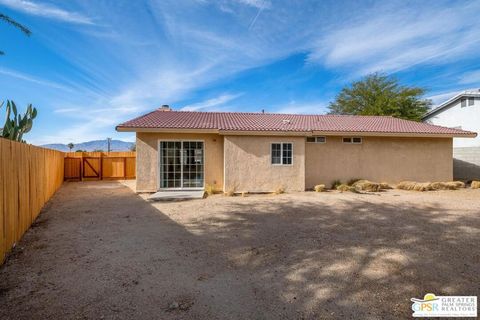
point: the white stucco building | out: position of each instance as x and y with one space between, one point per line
462 111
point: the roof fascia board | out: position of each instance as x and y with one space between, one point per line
299 133
395 134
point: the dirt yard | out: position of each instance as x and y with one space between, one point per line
99 251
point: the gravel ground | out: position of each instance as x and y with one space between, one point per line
100 251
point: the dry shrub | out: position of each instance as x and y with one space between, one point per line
336 183
209 190
279 190
459 184
385 186
230 193
343 187
319 188
475 184
429 186
415 186
351 182
365 185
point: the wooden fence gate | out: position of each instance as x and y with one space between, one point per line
99 165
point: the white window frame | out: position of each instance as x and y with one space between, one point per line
281 153
351 140
316 139
159 163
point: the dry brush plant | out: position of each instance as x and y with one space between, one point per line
279 190
430 186
209 189
475 184
343 187
319 188
365 185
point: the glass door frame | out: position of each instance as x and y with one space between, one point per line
159 163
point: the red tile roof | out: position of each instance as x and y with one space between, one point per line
239 121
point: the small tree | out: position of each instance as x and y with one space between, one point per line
70 146
133 147
381 95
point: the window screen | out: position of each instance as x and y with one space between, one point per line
276 153
287 153
471 101
282 153
463 103
355 140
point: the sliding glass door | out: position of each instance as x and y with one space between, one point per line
181 164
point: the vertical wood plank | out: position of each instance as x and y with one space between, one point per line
29 176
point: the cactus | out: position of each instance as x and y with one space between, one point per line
15 128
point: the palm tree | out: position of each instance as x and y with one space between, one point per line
15 24
70 146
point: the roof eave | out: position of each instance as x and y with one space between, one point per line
467 134
396 134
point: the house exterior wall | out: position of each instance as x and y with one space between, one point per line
243 163
381 159
456 116
466 152
248 164
148 162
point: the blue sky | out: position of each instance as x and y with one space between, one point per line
90 65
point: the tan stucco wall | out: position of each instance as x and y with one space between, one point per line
379 159
147 158
248 166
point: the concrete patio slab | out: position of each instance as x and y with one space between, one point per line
176 195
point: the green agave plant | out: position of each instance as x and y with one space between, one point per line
17 125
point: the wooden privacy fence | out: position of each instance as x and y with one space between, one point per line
99 165
29 176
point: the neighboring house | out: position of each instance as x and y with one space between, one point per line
461 112
257 152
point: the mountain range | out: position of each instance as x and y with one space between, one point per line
115 145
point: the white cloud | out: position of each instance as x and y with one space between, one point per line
470 77
32 79
259 4
442 97
397 38
209 104
47 11
293 107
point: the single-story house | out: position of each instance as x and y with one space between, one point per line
257 152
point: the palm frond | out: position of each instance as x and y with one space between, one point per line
14 23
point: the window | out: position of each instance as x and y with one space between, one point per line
354 140
316 139
471 101
282 153
463 103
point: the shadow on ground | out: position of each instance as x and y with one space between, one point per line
99 250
